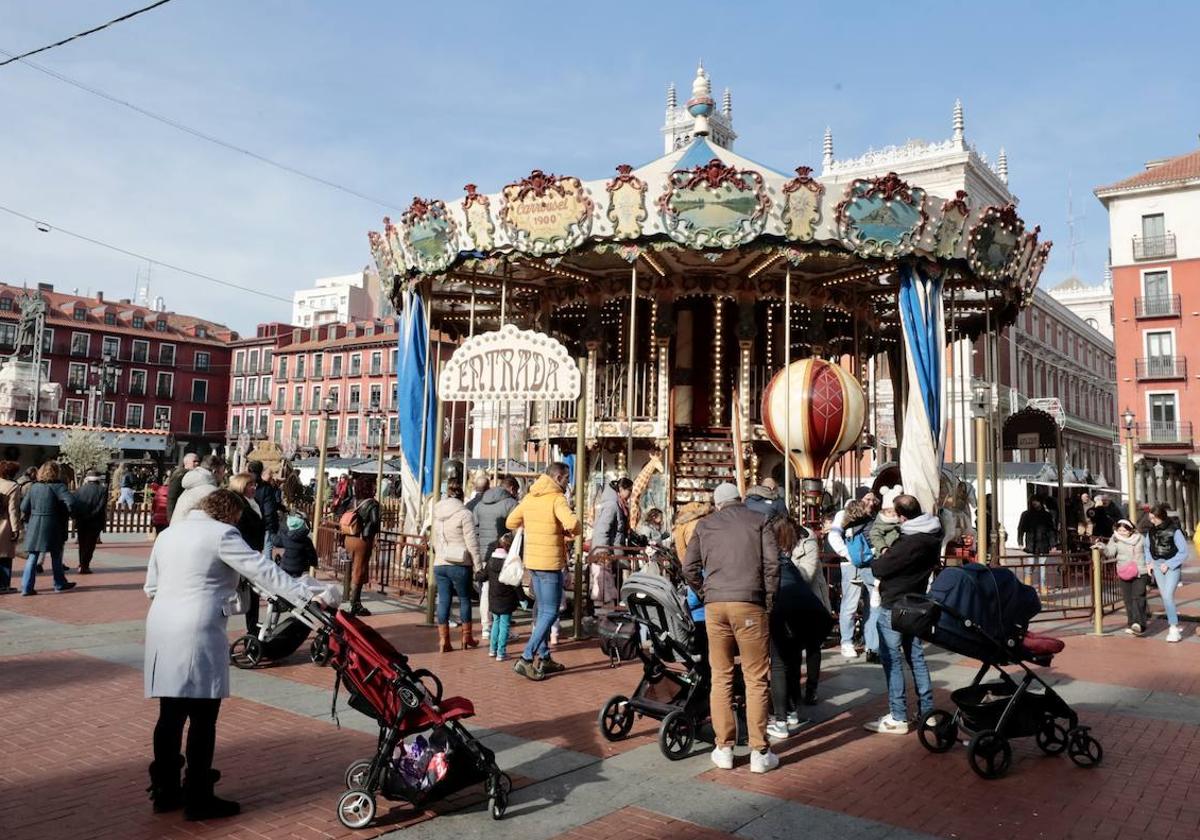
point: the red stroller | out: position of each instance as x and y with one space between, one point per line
405 702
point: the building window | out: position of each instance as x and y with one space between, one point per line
318 365
134 416
139 322
235 424
331 432
199 390
335 367
80 314
298 398
280 399
252 389
253 361
141 351
1156 285
203 360
196 423
201 332
315 400
352 428
110 346
1163 417
1154 225
266 360
376 396
166 354
165 385
239 363
355 397
312 433
74 412
81 343
393 428
77 376
161 326
295 436
278 436
137 383
355 364
162 416
110 319
333 395
237 390
6 304
282 368
264 390
300 366
376 363
8 335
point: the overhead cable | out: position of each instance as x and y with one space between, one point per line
79 35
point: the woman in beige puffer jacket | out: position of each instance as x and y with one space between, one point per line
455 556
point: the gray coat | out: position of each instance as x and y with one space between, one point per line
192 575
490 515
612 522
46 508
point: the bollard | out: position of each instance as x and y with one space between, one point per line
1097 605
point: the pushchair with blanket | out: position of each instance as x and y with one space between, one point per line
671 660
984 613
440 756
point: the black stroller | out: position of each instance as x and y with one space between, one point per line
277 634
669 655
983 613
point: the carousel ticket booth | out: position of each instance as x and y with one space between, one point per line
719 312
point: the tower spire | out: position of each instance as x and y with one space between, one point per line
958 120
672 101
700 106
827 156
727 105
1002 165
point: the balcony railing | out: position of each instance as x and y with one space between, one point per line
1154 247
1161 367
612 392
1164 434
1157 306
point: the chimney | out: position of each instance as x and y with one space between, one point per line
125 301
100 296
1154 164
45 287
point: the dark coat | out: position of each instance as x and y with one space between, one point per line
612 520
268 498
490 515
502 598
46 508
174 490
91 507
798 618
251 527
906 566
1035 531
299 555
733 558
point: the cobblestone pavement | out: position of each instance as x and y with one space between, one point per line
77 739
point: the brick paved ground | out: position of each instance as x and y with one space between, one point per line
77 735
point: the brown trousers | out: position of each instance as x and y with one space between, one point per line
742 629
360 559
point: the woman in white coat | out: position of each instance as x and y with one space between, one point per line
192 578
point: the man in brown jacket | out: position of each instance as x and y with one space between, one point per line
733 562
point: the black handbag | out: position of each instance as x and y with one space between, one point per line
619 637
915 615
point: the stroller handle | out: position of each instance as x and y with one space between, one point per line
314 615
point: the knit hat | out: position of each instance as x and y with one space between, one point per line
295 522
890 494
725 493
761 490
861 492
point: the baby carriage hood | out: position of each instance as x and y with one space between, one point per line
993 600
662 592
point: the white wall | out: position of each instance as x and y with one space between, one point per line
1180 208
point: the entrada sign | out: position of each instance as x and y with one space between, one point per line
510 364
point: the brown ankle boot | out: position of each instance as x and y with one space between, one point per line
444 638
468 640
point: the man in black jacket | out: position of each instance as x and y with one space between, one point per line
175 482
902 570
92 499
267 495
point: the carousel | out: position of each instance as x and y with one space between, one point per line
696 319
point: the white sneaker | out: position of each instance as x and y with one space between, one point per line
849 651
1137 629
888 725
485 635
763 762
1130 631
777 730
553 638
723 758
793 721
1175 634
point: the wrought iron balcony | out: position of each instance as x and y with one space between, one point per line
1164 434
1157 306
1154 247
1161 367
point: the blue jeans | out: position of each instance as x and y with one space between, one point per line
56 566
547 593
453 580
498 640
897 648
268 545
1166 582
852 593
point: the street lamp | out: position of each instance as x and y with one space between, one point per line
378 425
319 496
1129 417
979 410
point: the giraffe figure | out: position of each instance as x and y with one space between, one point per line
639 487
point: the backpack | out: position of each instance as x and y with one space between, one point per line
859 549
350 524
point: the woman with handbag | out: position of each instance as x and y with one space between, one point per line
359 526
1134 573
455 555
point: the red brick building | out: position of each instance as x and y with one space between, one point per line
1154 250
166 371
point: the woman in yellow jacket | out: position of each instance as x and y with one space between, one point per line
548 521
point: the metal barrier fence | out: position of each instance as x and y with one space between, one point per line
399 563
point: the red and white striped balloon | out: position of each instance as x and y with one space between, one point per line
826 414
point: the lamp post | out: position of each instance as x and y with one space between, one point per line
319 496
377 419
1129 417
979 410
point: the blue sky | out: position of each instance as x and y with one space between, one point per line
399 99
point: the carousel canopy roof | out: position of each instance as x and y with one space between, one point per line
705 220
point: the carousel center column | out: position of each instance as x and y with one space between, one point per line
664 329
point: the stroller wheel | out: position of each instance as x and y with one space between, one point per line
245 652
616 718
1052 737
318 651
989 754
499 787
676 735
357 773
1083 749
938 731
356 808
